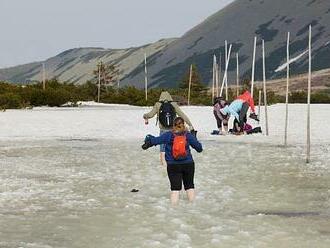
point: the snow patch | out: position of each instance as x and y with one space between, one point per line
283 67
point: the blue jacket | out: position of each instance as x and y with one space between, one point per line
167 139
234 108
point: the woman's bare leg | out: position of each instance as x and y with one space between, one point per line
174 197
191 194
162 159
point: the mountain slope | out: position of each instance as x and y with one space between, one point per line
77 65
238 23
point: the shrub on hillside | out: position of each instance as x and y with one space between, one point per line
320 97
57 97
298 97
57 94
10 101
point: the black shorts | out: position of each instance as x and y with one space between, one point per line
178 173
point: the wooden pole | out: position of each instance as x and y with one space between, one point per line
219 76
226 69
237 75
43 76
259 104
189 88
227 59
99 83
217 79
253 64
287 90
264 83
105 81
213 79
145 76
309 96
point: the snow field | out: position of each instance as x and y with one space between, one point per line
66 176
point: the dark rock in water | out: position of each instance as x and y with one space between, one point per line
134 190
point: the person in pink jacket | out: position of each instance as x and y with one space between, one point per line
247 99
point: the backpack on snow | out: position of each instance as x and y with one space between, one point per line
166 114
179 151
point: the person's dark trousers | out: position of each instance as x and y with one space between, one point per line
219 121
242 115
235 126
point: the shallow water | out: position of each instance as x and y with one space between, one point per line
76 193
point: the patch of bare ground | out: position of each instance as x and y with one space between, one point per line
320 81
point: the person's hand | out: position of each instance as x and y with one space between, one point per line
147 142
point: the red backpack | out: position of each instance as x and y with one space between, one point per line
179 146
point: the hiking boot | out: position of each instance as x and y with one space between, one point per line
215 132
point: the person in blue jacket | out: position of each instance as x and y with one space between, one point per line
180 163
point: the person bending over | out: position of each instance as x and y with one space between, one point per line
239 108
221 119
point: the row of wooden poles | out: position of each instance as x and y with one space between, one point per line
218 92
216 78
309 81
217 75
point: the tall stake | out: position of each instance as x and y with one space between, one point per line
309 96
287 90
219 76
214 73
99 84
237 75
259 104
253 64
227 59
189 88
264 81
43 76
217 79
145 76
226 69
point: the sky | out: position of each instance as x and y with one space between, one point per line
34 30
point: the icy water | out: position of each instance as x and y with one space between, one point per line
76 193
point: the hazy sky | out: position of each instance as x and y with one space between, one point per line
33 30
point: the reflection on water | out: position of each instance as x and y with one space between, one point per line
77 193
